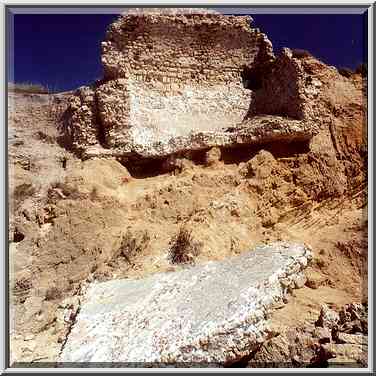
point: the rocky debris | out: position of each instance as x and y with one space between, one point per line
348 343
328 318
214 313
212 156
323 334
288 348
336 340
356 339
340 355
260 166
65 316
315 279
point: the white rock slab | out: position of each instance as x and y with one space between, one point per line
207 314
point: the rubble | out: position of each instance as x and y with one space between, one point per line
335 341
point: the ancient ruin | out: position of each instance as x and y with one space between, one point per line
187 81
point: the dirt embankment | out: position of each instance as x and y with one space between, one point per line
73 221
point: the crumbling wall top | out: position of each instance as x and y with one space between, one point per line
182 46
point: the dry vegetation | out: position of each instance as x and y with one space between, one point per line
300 54
27 87
345 72
22 192
183 248
132 246
362 69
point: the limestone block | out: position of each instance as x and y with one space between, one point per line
212 313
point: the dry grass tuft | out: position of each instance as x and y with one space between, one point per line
93 195
60 190
362 69
28 87
300 54
22 192
53 293
345 72
183 248
131 246
49 139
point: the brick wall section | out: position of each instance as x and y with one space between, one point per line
113 106
82 119
194 48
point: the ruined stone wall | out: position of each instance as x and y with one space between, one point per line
80 119
168 75
178 81
113 106
287 90
183 48
159 116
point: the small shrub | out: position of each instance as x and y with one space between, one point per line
63 160
300 54
53 293
61 190
345 72
125 179
45 137
131 246
18 235
321 263
22 192
22 285
362 69
94 194
183 248
28 87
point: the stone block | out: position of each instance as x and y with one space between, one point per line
207 314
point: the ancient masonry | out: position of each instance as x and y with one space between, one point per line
187 80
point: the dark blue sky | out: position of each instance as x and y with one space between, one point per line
62 51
